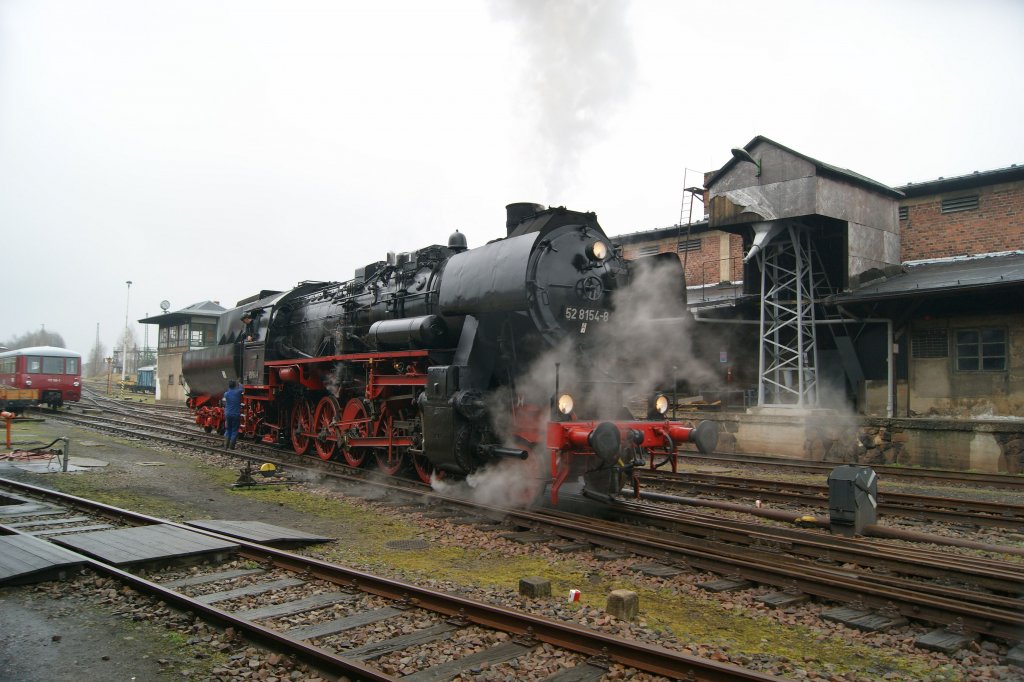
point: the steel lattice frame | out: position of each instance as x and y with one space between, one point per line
788 361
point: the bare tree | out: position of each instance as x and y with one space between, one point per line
36 338
97 364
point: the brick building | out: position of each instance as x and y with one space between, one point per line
927 306
968 215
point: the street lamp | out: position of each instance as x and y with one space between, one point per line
124 346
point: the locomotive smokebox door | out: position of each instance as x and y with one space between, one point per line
852 499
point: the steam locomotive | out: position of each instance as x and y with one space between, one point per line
450 361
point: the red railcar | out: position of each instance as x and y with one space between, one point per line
55 373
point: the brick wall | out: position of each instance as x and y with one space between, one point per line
703 265
997 224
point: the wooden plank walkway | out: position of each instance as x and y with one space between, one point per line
25 559
140 544
257 531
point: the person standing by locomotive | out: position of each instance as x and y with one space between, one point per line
232 413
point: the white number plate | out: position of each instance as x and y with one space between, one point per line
585 314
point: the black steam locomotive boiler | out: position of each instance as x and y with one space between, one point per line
449 360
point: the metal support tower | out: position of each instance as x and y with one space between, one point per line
789 351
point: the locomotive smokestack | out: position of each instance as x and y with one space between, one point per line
517 213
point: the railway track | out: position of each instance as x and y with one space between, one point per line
302 585
943 476
914 583
954 510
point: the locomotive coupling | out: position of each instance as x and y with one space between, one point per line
604 440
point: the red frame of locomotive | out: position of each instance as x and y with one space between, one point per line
367 424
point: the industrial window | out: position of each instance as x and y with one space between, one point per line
163 337
956 204
173 338
33 365
197 338
929 343
904 212
689 245
53 365
649 250
170 379
981 350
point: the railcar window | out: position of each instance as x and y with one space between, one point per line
53 365
33 365
72 366
7 366
981 350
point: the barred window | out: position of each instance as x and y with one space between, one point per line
904 212
929 343
981 350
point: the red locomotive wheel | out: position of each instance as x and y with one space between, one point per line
390 460
355 424
302 425
324 423
424 469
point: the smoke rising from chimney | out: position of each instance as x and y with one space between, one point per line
580 67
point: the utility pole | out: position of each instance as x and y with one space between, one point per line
124 346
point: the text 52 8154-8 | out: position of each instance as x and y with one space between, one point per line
586 314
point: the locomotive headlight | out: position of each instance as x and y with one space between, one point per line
565 403
597 251
661 404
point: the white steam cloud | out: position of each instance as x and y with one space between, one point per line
580 68
647 342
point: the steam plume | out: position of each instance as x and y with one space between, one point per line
580 69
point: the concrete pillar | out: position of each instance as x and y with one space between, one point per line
623 604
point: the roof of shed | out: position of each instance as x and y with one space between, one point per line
821 167
204 308
976 179
943 275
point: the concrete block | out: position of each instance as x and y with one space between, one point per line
623 604
535 587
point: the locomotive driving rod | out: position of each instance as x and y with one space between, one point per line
499 451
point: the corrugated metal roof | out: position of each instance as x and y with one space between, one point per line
944 275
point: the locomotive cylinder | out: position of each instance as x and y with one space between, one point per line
420 332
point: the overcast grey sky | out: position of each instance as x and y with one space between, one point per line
205 150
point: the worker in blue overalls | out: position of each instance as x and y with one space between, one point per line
232 413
